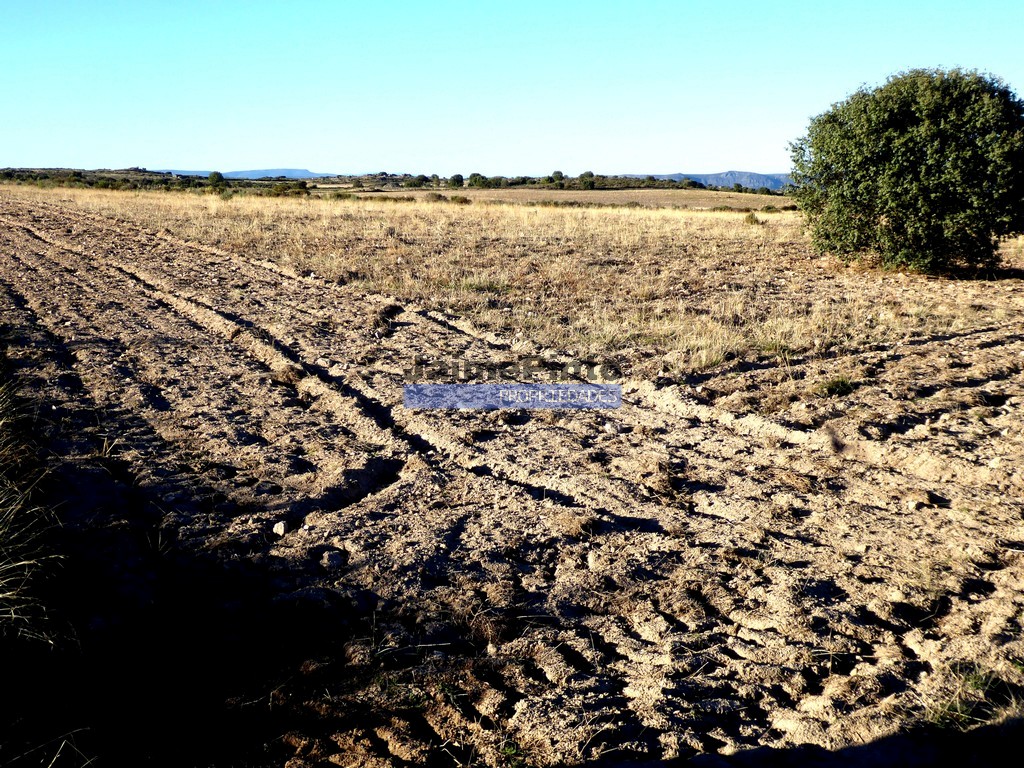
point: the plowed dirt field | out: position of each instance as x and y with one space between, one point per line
690 573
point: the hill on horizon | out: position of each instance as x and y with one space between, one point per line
773 181
288 173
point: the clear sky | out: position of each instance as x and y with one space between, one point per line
457 86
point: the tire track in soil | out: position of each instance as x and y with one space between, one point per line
261 342
204 410
152 631
194 315
690 578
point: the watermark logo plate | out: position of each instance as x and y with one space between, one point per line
499 396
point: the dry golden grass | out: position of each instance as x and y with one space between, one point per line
655 289
695 199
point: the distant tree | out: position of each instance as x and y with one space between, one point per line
216 179
456 181
417 181
558 176
477 180
927 171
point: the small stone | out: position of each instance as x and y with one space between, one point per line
280 528
333 559
917 499
610 428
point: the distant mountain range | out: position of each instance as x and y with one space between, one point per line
288 173
773 181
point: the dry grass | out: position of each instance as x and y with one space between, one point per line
17 527
693 199
973 696
658 290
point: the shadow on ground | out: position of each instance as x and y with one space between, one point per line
160 657
928 748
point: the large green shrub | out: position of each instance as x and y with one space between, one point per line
927 171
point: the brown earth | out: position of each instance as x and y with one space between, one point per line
723 563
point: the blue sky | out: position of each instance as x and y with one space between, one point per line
457 86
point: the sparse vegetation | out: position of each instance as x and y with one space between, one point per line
974 696
597 281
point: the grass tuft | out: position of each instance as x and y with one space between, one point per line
839 386
977 696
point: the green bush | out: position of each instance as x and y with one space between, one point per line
288 189
927 171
